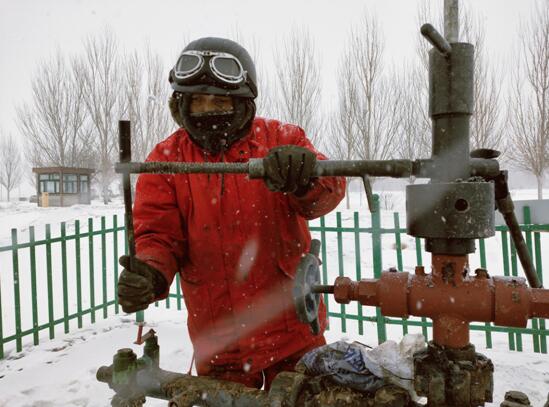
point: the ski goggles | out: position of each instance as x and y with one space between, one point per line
221 66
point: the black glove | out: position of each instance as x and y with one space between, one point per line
289 169
138 286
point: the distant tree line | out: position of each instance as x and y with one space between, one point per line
380 111
77 101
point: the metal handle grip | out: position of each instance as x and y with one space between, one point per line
436 39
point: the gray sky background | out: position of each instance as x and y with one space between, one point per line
32 30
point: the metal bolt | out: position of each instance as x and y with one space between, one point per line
481 273
420 271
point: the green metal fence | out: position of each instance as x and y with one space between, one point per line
92 260
94 240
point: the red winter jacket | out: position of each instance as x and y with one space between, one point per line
236 246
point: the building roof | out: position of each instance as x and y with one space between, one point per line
63 170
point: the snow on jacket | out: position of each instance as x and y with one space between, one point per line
235 245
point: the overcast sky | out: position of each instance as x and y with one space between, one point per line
32 30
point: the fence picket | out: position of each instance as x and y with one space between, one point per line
178 291
115 261
514 272
35 336
64 274
78 272
324 265
341 269
398 247
419 262
533 321
1 322
16 290
358 270
506 272
104 267
49 274
378 263
482 252
91 269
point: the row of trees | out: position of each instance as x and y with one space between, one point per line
380 113
382 110
77 101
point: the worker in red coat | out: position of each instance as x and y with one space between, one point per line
235 242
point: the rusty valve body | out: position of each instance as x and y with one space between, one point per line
450 297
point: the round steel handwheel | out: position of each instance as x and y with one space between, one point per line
305 300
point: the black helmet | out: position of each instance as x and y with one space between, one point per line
214 66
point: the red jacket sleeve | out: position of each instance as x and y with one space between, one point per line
158 226
325 192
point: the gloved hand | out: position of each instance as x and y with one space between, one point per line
289 169
138 286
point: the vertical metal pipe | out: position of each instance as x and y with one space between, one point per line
125 153
451 20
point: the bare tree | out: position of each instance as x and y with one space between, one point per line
298 85
528 117
54 124
414 140
99 72
342 133
376 111
11 169
146 93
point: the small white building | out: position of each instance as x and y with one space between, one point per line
63 186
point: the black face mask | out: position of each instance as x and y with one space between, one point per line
216 131
214 128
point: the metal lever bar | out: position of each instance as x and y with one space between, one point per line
506 207
323 168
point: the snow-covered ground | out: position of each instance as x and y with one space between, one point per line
61 372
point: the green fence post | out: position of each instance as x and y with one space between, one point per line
358 270
178 290
537 246
16 290
64 274
78 272
104 267
115 260
1 323
482 250
378 262
419 261
341 267
324 265
51 320
398 244
91 256
505 251
533 321
514 272
32 249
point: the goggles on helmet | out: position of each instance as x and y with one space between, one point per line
224 67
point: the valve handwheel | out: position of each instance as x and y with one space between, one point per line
307 277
